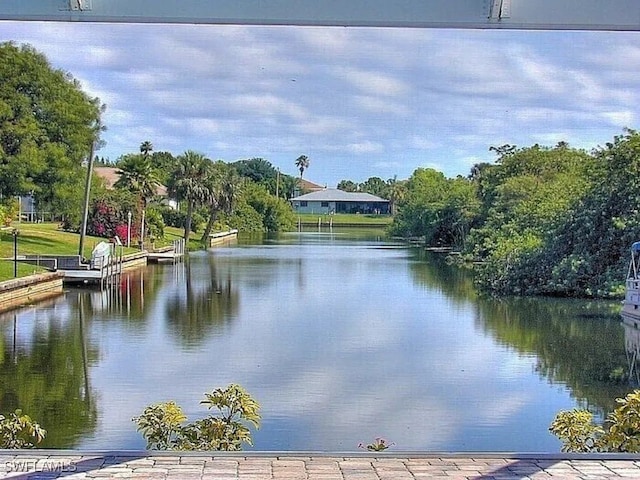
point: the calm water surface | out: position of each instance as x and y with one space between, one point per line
341 338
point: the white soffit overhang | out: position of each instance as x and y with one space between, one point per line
505 14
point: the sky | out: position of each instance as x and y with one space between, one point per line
359 102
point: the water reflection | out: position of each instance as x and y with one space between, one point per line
44 370
576 343
632 347
206 304
432 271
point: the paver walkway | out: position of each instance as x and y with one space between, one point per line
68 465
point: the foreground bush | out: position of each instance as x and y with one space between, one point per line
19 431
162 425
579 434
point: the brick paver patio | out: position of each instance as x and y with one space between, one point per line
68 465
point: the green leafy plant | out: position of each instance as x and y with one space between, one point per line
19 431
378 445
162 425
578 433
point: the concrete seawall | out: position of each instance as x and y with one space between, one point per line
222 237
30 289
27 290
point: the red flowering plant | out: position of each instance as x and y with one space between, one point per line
108 216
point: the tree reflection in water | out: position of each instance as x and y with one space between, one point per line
580 343
45 360
207 303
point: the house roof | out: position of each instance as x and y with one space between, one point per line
111 175
335 195
307 186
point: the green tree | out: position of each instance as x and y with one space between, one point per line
588 253
258 170
47 125
276 214
375 186
439 209
164 163
190 183
347 186
525 198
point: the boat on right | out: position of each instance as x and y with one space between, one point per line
631 305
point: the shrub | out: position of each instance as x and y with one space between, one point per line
155 223
176 218
378 445
162 424
9 210
578 433
19 431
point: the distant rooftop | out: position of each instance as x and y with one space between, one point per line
335 195
307 186
110 175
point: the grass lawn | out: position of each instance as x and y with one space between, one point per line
41 238
173 233
346 219
6 270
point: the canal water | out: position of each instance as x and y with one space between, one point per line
341 337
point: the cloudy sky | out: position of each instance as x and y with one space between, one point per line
359 102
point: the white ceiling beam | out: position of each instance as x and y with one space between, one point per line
507 14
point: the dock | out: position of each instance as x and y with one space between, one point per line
171 254
157 465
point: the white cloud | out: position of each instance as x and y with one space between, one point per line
621 118
372 82
392 94
380 105
365 147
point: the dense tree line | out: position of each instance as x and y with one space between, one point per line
539 221
49 128
210 194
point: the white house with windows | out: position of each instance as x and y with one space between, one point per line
332 200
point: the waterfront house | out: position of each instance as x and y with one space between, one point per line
330 200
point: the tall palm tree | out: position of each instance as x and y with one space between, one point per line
302 162
146 148
190 183
138 175
226 188
396 193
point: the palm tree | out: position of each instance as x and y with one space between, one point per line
138 175
302 162
190 183
146 148
226 188
397 191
